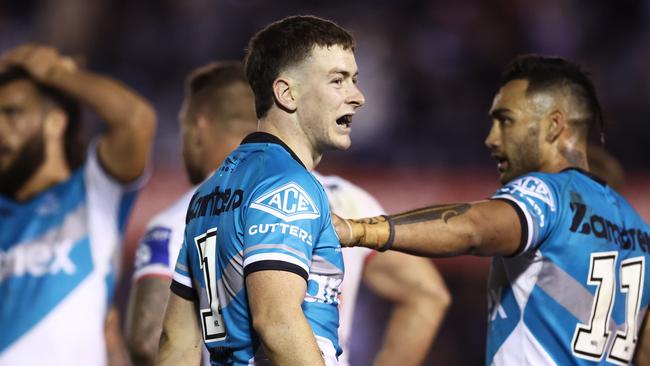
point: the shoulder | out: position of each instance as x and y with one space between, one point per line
539 186
173 215
348 199
97 177
337 185
632 214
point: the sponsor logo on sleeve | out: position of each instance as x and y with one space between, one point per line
154 247
532 187
289 203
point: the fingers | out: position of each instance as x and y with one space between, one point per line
39 61
343 229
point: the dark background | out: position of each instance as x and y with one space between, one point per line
429 70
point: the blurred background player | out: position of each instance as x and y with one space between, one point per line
218 112
260 264
62 214
412 284
568 282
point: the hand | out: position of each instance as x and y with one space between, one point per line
41 62
372 232
343 229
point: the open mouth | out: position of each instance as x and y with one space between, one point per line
345 120
502 162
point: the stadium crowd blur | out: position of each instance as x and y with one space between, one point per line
428 69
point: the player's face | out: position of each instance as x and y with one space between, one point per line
191 146
21 131
327 97
514 139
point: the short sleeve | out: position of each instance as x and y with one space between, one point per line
182 278
282 223
153 254
535 200
159 246
109 205
98 177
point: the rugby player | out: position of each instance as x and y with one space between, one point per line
62 212
217 113
260 265
568 282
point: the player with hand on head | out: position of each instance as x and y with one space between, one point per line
260 266
568 282
217 113
62 215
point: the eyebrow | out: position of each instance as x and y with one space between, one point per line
499 112
343 72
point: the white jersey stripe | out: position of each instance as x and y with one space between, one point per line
275 257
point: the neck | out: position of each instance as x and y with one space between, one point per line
51 172
287 130
566 157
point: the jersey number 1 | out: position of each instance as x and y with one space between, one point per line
589 340
212 321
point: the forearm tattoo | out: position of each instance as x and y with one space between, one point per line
432 213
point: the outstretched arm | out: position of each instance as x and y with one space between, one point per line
180 342
125 145
484 228
420 300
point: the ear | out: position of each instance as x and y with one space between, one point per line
283 94
55 124
203 129
557 124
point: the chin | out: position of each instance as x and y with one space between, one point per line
342 143
505 178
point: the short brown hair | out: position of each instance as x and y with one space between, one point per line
285 43
220 90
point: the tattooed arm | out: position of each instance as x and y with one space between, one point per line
482 228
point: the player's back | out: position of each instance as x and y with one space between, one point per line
577 292
260 210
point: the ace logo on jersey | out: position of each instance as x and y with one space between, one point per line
533 187
289 203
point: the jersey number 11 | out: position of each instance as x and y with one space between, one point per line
589 340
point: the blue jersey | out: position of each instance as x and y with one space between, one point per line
261 210
577 290
57 268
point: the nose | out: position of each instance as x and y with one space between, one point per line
356 97
493 138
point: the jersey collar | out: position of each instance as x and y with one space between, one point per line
263 137
588 174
